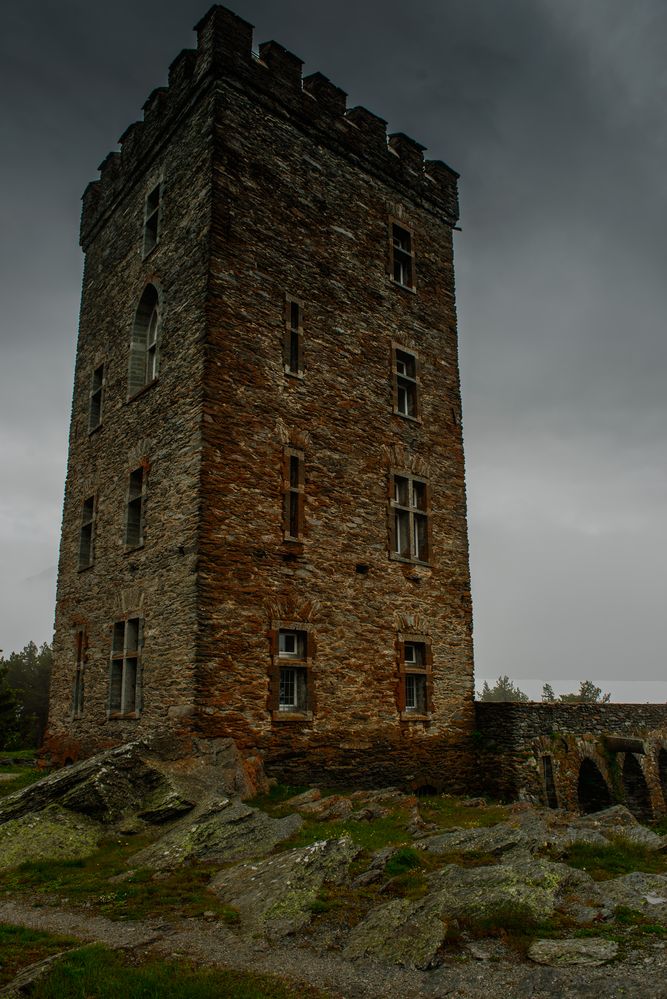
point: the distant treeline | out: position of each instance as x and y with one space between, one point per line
24 696
505 690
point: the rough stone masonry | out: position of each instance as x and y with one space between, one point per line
264 532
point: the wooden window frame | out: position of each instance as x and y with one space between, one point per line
87 531
96 398
152 219
423 670
293 363
81 653
122 656
399 377
406 256
136 499
294 494
303 662
409 511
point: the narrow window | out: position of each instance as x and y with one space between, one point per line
87 533
409 518
293 339
152 219
77 691
406 383
402 256
414 678
124 679
134 521
96 399
145 344
294 495
293 680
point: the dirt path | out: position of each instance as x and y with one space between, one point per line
641 975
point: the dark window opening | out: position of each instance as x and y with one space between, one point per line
134 523
294 495
96 398
549 782
145 345
152 219
293 339
662 772
87 533
77 691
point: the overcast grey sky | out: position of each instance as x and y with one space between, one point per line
553 112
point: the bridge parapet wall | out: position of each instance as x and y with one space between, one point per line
576 756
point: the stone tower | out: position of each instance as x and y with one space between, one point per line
264 532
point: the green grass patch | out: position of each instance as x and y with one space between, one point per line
22 776
448 812
405 859
369 835
181 892
619 857
20 947
98 973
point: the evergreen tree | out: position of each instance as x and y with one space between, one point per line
29 674
9 708
503 690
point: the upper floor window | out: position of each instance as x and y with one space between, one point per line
293 338
406 383
125 671
87 533
96 398
152 218
294 487
145 345
409 512
402 256
134 516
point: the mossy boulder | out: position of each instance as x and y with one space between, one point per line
51 834
223 831
479 898
274 897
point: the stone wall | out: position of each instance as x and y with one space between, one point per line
518 745
272 189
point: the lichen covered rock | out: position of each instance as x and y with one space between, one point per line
274 897
592 951
226 830
51 834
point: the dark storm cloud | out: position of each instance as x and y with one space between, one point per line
552 111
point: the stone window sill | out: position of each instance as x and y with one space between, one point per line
142 391
292 716
412 716
119 716
404 287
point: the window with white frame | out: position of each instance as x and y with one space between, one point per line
409 518
293 695
415 672
125 671
406 383
402 256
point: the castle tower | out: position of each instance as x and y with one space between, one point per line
264 531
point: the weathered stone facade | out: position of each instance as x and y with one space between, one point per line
270 193
576 756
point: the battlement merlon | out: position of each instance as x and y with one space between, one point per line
224 52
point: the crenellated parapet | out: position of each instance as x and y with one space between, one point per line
274 76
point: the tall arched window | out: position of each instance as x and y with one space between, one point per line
145 345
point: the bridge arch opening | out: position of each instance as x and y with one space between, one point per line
592 791
637 796
662 772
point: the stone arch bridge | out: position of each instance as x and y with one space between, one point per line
583 757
